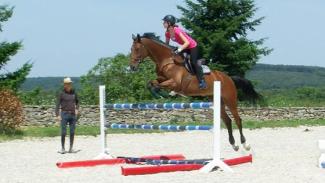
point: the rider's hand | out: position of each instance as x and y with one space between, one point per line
177 51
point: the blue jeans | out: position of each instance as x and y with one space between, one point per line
68 118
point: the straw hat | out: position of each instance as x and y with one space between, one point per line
67 80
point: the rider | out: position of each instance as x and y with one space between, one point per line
188 45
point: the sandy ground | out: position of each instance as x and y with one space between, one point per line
280 155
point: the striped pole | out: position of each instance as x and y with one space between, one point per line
160 162
158 127
178 167
195 105
230 162
158 169
118 160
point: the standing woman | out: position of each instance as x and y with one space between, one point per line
187 45
68 102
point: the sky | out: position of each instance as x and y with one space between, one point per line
66 38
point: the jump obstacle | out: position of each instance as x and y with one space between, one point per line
215 162
179 165
169 163
175 162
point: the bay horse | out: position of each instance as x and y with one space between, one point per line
173 76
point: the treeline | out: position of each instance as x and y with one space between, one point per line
281 85
264 76
47 83
269 77
289 68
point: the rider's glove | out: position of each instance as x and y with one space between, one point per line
177 51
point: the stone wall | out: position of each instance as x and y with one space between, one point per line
44 115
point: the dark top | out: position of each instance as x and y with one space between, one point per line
67 102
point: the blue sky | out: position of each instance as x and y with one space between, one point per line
66 38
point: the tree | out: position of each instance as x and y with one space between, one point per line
10 80
11 112
221 28
121 84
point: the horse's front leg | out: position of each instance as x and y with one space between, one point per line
153 87
173 87
169 84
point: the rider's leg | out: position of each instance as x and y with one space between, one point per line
198 68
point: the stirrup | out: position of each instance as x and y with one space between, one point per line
202 84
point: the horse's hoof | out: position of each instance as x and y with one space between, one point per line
172 93
247 147
236 148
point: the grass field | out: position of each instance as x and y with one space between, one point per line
53 131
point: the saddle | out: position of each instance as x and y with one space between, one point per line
190 67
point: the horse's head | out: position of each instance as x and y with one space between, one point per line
138 52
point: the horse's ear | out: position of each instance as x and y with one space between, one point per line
138 38
133 37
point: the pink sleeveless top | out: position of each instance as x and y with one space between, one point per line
179 40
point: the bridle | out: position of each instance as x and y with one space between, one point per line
139 57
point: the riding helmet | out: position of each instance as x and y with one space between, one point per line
170 19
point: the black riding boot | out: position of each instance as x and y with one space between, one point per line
200 77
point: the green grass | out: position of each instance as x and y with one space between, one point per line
283 123
54 131
271 124
299 97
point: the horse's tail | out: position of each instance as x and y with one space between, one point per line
248 92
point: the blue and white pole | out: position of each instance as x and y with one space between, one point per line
194 105
158 127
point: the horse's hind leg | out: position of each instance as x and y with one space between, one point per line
226 119
233 109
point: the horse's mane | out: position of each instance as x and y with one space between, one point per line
152 36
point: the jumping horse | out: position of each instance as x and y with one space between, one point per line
173 76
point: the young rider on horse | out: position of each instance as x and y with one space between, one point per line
188 45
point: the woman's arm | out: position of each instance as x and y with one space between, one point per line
167 40
185 44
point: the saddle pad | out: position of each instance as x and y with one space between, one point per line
206 69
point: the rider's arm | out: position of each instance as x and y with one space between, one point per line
185 44
167 40
167 36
